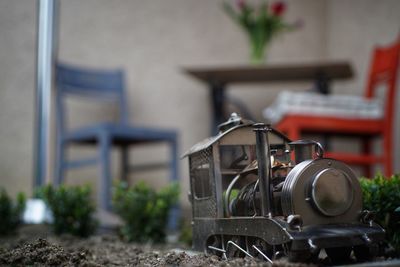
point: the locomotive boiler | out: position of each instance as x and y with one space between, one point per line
256 193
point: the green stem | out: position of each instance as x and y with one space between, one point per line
258 45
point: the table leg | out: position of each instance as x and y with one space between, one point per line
125 163
322 85
218 102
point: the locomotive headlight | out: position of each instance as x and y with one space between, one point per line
332 192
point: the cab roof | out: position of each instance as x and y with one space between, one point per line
206 143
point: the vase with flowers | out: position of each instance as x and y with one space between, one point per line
261 22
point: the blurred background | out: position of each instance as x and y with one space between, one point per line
153 42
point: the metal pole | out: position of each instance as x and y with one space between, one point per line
44 80
263 172
269 172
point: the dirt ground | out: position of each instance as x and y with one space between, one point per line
37 246
104 252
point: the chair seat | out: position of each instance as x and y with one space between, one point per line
332 125
119 133
313 104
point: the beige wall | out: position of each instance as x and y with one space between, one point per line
152 41
17 84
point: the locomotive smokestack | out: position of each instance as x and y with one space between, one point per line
263 169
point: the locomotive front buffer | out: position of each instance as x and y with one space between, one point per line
256 193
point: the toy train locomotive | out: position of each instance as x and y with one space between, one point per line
256 193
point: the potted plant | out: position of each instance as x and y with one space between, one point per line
260 22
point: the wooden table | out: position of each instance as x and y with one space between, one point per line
218 78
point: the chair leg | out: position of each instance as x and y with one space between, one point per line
174 172
293 133
124 163
175 211
366 149
104 187
387 152
60 162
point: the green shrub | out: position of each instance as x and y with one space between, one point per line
72 209
144 210
10 212
382 196
185 235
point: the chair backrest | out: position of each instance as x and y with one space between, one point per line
384 70
97 84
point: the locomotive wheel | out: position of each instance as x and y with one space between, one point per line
232 251
339 255
216 242
366 253
263 246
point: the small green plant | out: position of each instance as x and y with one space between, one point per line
10 212
72 209
144 210
382 196
185 235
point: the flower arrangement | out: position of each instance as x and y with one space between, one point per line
261 23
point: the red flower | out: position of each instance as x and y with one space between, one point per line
278 8
241 3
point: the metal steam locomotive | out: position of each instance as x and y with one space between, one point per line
256 193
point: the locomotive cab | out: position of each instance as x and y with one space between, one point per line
256 193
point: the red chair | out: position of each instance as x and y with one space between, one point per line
384 69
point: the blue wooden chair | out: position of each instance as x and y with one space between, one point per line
102 85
